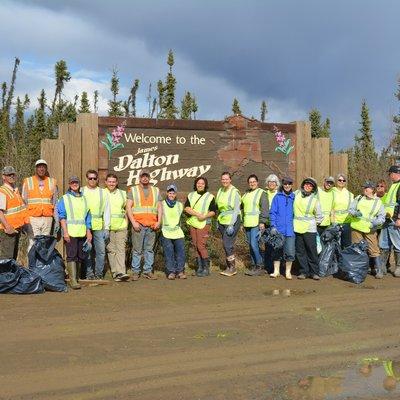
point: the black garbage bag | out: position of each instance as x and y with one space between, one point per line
328 258
272 238
354 262
18 280
47 262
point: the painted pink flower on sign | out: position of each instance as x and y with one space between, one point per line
284 144
113 139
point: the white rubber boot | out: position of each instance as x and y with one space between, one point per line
288 270
276 273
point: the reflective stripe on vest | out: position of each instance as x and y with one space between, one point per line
326 200
96 203
117 201
201 204
40 201
390 201
369 208
170 221
15 212
139 208
303 208
76 209
251 208
341 214
226 203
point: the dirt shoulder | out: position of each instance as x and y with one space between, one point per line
204 338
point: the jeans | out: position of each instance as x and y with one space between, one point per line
143 243
98 254
228 242
288 251
174 255
252 239
306 253
390 238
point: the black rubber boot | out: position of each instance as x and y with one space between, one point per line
206 266
200 267
378 268
384 259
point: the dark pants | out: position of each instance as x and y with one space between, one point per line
199 240
345 238
174 255
74 249
9 245
306 253
228 242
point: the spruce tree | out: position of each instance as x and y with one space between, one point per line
95 100
263 111
326 128
149 100
395 142
132 96
170 109
195 107
115 106
161 93
85 105
186 106
236 107
315 119
62 76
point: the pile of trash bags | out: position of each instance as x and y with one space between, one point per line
273 238
350 264
45 271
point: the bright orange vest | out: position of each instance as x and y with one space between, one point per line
15 212
40 202
145 208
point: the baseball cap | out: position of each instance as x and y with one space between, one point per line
395 169
8 170
173 187
329 179
287 179
74 178
144 172
41 161
369 184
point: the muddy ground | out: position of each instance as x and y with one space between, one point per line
203 338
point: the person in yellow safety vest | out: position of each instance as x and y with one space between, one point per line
367 213
200 206
342 199
272 185
75 220
143 207
255 210
40 194
118 229
307 216
173 239
390 234
99 207
228 204
325 197
13 215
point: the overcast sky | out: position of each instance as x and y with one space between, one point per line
295 54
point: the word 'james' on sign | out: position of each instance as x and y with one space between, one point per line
143 138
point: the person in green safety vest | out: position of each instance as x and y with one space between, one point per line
272 185
255 209
75 221
118 229
367 214
200 206
173 238
342 199
325 197
307 215
228 203
390 234
99 207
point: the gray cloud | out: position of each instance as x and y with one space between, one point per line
296 54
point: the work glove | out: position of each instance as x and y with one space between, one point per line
230 230
87 247
374 224
106 235
273 231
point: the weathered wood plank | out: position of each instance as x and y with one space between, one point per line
303 151
320 159
88 123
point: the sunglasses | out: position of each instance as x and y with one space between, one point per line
13 175
91 178
341 180
287 184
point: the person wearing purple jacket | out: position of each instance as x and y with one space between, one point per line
281 220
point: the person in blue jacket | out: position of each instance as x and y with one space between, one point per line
281 220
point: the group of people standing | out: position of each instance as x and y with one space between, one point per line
94 222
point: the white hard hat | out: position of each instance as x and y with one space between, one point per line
39 162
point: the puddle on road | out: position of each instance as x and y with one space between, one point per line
288 292
372 378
